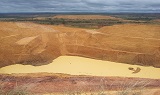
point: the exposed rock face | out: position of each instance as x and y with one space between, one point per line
28 43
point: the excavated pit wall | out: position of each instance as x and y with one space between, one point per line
28 43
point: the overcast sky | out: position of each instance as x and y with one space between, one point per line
7 6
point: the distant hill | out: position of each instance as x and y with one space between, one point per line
87 17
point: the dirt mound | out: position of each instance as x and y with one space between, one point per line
133 31
28 43
86 17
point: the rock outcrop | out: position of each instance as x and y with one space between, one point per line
35 44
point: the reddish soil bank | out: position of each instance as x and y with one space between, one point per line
57 83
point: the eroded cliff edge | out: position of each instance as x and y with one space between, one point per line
35 44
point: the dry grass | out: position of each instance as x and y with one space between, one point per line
131 89
103 87
17 89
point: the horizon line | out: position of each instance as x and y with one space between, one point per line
79 12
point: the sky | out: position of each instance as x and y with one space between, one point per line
138 6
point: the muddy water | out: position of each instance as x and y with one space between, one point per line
85 66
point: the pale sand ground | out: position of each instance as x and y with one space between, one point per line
84 66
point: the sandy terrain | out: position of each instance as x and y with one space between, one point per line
35 44
124 52
133 31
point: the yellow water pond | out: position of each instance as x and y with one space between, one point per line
84 66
